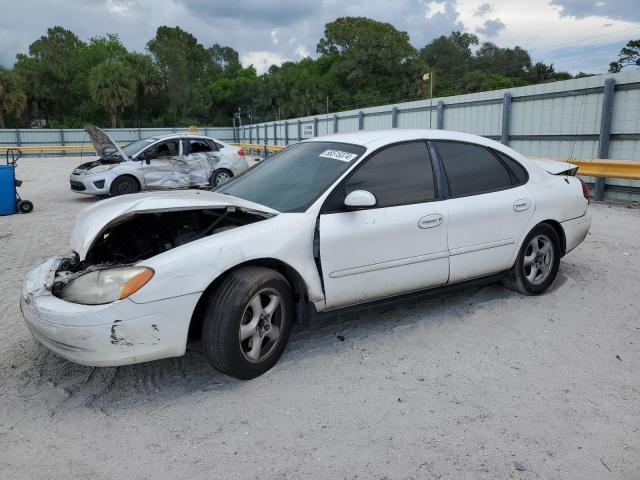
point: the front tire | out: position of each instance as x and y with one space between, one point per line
537 264
248 321
124 185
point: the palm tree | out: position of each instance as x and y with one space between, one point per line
12 99
113 85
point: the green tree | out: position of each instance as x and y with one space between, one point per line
628 56
49 73
13 100
366 52
182 62
112 85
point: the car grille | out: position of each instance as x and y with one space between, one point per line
79 186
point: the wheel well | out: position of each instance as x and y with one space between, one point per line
298 286
130 176
560 231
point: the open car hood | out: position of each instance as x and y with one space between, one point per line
102 142
555 167
93 220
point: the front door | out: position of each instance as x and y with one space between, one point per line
163 166
397 247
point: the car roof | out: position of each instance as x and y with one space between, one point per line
377 138
169 136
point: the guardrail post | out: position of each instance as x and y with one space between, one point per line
18 140
506 118
266 135
440 115
394 117
315 126
265 153
275 133
360 120
299 130
605 131
139 133
286 132
335 123
251 134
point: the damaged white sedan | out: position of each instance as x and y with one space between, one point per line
327 223
165 162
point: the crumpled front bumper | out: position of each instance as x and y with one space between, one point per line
118 333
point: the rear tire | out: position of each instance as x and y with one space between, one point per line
220 176
124 185
537 263
247 322
25 206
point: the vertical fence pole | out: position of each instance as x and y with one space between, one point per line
506 118
139 133
335 123
18 139
440 116
275 133
605 131
315 126
286 132
394 117
251 134
62 142
360 120
299 130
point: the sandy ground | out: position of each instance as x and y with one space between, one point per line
466 385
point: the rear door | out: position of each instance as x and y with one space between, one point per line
200 158
163 167
489 209
400 245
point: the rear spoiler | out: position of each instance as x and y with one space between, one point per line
554 167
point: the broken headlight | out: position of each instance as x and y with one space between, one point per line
106 286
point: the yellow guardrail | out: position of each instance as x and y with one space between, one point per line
599 167
257 146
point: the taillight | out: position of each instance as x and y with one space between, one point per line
585 189
241 152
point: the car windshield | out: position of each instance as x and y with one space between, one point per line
294 178
134 147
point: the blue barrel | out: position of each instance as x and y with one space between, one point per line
7 191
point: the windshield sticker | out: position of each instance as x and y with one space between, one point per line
338 155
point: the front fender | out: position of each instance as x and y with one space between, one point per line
191 268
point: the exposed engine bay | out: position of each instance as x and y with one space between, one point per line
139 236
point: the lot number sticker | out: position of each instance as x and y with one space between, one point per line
338 155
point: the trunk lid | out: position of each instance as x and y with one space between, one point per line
556 167
105 147
93 220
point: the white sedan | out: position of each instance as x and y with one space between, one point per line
164 162
327 223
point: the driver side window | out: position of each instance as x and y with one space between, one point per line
163 150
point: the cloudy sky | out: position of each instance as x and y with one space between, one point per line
573 34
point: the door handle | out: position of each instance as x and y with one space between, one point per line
430 221
521 205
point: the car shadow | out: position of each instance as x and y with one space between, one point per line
65 386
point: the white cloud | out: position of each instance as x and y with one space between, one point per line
261 59
274 36
434 8
302 51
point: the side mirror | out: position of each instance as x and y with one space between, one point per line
147 157
360 199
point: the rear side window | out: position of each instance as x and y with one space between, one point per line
518 170
472 169
398 175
